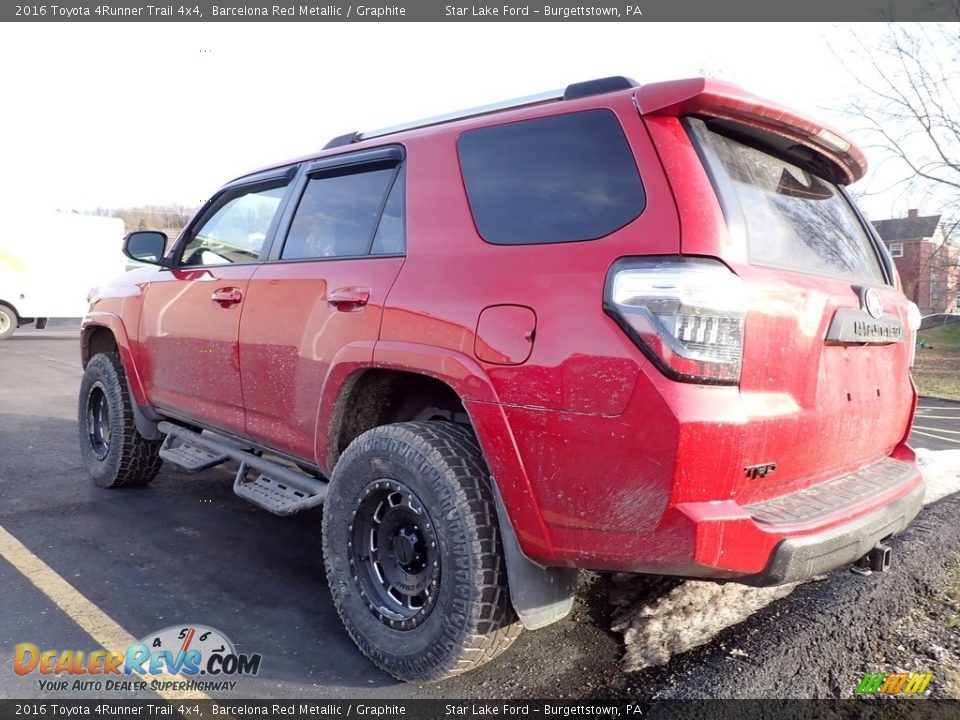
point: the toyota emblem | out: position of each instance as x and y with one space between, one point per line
872 303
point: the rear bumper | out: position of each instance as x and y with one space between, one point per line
801 558
791 538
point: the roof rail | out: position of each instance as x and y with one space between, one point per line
571 92
461 114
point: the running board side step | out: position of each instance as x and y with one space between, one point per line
190 457
276 488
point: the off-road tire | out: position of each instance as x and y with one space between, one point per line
471 619
128 459
8 321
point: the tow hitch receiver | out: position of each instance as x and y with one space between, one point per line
877 560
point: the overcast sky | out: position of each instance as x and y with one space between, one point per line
121 114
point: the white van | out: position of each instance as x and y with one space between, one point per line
49 261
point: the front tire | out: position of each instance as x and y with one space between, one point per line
413 552
115 453
8 321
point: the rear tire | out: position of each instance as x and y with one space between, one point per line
8 321
115 453
413 552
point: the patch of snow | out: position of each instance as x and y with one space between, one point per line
941 472
688 616
660 618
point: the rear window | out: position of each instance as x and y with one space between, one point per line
793 219
551 180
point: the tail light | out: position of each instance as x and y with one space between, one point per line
685 314
913 321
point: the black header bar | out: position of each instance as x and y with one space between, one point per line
513 11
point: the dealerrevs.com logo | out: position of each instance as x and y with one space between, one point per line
189 651
898 683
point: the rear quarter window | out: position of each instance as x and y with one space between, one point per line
556 179
793 219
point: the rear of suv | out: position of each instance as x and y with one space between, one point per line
622 328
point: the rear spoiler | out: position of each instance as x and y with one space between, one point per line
715 99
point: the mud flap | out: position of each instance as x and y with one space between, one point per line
145 419
540 595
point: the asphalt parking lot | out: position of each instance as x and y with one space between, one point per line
937 425
185 550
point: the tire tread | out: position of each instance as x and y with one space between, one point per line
492 623
139 458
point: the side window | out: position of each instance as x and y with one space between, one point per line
563 178
346 215
236 227
389 239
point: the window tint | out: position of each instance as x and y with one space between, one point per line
556 179
337 215
389 239
794 219
237 227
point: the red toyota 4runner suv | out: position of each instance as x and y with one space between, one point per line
620 327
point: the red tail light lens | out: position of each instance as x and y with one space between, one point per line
685 314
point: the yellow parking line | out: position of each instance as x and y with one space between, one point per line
95 622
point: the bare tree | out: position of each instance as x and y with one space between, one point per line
170 218
908 108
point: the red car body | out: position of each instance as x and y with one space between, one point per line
602 459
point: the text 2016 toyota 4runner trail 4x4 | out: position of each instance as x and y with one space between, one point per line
619 327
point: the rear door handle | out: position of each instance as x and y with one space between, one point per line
347 299
227 297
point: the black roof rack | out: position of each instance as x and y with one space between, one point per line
343 140
598 87
571 92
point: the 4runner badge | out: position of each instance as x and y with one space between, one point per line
866 326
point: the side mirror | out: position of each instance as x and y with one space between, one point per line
145 246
